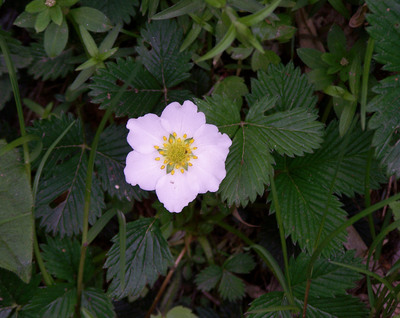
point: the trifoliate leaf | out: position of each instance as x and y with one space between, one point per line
62 257
116 10
249 163
232 87
208 278
147 256
110 162
97 303
164 60
263 306
328 280
240 264
384 28
16 235
304 182
231 287
48 68
288 84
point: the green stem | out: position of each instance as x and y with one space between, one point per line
281 231
14 84
364 87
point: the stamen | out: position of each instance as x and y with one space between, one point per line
165 138
194 148
190 164
158 159
156 147
185 136
172 172
195 157
162 167
174 134
182 170
165 161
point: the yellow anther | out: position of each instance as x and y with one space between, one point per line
165 145
176 166
190 164
185 136
174 134
182 170
194 148
162 167
191 141
170 140
195 157
161 152
165 161
172 172
156 147
165 138
179 140
158 159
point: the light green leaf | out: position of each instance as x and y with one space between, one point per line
240 264
91 19
177 312
55 38
147 256
42 21
180 8
231 287
117 10
208 278
35 6
260 15
232 87
56 15
16 236
89 42
25 20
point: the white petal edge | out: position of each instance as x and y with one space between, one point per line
143 170
183 119
145 132
176 191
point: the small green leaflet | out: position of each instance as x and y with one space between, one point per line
157 73
147 256
116 10
249 163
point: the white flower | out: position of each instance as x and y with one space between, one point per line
177 154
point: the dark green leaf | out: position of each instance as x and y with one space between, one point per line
208 278
110 162
55 38
116 10
62 257
231 287
337 41
49 68
311 57
91 19
164 60
180 8
384 28
16 235
288 84
232 87
240 264
97 303
260 307
147 256
25 20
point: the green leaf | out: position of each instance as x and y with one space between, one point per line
249 163
97 303
42 21
147 256
25 20
260 15
177 312
303 185
35 6
269 305
232 87
328 280
231 287
62 257
164 60
53 301
384 28
16 236
311 57
261 61
49 68
110 162
386 122
240 264
91 19
180 8
89 42
288 84
208 278
340 7
116 10
55 38
60 198
14 292
56 15
337 41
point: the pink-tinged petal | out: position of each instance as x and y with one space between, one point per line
145 132
183 119
208 137
176 191
143 170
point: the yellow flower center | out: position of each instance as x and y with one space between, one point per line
176 153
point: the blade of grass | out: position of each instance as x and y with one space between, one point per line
365 77
122 247
100 224
17 142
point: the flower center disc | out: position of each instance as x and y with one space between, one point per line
177 153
